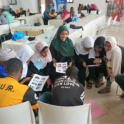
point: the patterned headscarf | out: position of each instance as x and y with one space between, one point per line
6 54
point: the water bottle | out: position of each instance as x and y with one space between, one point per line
53 32
45 33
20 23
26 23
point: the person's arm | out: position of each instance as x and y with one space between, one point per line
71 61
27 79
32 98
116 60
53 52
47 69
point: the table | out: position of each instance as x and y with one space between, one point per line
90 24
32 30
74 34
31 19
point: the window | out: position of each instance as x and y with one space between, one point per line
13 2
70 1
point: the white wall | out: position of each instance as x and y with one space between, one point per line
100 3
27 4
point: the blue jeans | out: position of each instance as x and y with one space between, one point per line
45 97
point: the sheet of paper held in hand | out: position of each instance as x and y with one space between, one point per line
61 67
37 82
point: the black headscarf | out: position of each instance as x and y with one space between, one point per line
100 43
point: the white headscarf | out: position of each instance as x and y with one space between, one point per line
24 54
38 57
87 42
115 57
6 54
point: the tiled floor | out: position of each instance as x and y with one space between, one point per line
109 102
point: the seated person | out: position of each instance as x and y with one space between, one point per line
15 93
18 13
22 12
94 7
3 20
28 13
46 16
5 55
8 16
12 12
67 91
81 14
52 14
81 6
66 14
72 12
25 54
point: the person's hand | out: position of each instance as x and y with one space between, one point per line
32 75
105 59
97 61
70 64
54 64
27 79
49 82
84 64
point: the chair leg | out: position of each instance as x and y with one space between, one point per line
117 92
0 39
4 37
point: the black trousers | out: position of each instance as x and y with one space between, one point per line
101 69
120 80
82 71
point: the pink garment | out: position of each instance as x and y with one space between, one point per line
38 57
93 6
66 15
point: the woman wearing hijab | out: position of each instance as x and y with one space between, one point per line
85 55
42 60
113 62
62 50
99 55
25 54
8 17
5 55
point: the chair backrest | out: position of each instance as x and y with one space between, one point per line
99 12
4 29
15 24
114 21
109 21
55 22
49 114
84 12
93 12
17 114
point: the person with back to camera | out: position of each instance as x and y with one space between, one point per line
67 91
